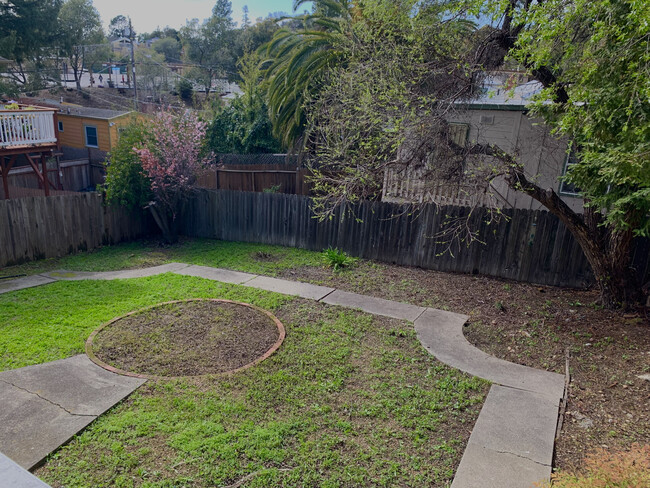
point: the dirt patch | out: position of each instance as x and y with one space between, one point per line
188 338
609 351
265 257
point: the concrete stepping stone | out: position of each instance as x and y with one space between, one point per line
286 287
376 306
511 445
441 333
216 274
21 283
13 475
44 406
115 275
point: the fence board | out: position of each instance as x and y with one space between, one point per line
42 227
531 246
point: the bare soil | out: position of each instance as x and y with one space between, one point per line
187 339
538 326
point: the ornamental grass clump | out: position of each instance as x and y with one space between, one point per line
603 469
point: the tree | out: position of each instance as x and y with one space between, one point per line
81 24
171 161
296 59
401 76
244 126
126 183
169 47
29 36
152 73
592 59
209 46
119 28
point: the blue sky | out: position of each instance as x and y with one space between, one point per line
149 14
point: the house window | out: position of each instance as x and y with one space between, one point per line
567 188
91 136
60 126
458 133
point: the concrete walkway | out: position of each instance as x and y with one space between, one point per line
511 445
44 406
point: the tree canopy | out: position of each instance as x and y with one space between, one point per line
373 84
84 36
29 34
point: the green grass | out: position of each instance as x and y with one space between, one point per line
348 400
241 256
52 322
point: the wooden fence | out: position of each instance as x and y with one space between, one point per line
531 246
43 227
274 178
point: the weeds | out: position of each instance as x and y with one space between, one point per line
629 469
337 259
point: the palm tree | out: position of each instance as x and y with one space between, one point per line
296 59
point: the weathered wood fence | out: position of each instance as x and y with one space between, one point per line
42 227
272 178
530 246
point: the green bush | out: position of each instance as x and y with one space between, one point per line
126 184
185 89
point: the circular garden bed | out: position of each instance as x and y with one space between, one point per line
186 338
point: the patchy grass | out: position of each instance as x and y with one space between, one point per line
241 256
348 400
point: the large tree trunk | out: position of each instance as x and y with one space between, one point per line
168 226
607 249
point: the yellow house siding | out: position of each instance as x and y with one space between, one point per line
74 134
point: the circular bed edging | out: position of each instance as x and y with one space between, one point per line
91 355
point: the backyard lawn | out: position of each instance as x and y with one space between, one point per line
349 399
360 397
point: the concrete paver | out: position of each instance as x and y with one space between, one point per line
25 282
518 422
376 306
13 475
32 427
216 274
441 333
115 275
512 442
304 290
43 406
484 468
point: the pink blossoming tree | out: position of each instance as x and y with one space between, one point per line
172 161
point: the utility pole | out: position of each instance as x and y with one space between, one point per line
135 87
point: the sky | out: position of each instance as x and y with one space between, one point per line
149 14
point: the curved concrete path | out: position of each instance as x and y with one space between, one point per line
511 445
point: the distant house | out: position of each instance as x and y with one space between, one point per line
121 46
95 128
87 132
498 117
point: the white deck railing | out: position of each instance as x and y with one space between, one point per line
26 128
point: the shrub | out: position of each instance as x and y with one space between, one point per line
337 259
603 469
185 89
126 183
